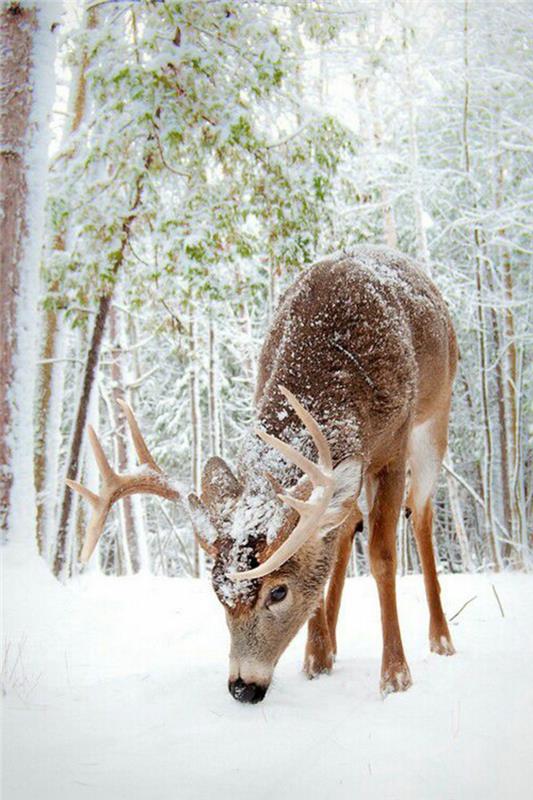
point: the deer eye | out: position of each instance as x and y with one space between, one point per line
277 594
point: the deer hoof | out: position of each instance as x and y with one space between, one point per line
442 645
315 666
396 680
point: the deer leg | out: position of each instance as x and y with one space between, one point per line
319 649
321 646
338 576
395 675
440 640
427 447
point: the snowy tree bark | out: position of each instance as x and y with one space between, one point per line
196 424
214 429
25 100
117 392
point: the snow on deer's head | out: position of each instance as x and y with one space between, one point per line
272 551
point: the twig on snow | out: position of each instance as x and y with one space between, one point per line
462 607
498 599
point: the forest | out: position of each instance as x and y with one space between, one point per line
168 170
199 157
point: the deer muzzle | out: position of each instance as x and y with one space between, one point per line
246 692
249 680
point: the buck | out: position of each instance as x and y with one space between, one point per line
353 393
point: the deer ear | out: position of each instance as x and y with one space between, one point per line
348 476
204 530
212 512
219 484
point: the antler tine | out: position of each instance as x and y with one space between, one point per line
309 467
141 448
103 464
90 496
95 529
301 506
324 452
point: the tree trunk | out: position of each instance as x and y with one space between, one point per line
17 27
502 423
271 290
118 551
45 382
24 36
214 431
242 313
457 515
132 338
117 393
196 425
512 380
422 250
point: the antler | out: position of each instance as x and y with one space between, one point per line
311 511
149 480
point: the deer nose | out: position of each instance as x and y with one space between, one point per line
247 692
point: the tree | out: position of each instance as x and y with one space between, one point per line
25 98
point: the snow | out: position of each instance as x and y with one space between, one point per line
120 691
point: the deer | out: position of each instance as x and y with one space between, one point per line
352 406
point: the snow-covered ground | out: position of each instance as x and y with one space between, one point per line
117 689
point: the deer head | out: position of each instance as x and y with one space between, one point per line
272 550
